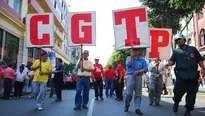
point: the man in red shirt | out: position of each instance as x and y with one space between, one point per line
120 73
97 79
109 75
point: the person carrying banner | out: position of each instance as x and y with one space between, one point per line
98 79
85 69
157 70
41 71
186 59
136 66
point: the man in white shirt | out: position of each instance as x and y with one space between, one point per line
157 70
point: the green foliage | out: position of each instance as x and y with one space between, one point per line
119 55
162 15
193 5
69 68
11 47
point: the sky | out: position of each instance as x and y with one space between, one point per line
105 40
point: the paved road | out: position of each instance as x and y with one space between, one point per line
108 107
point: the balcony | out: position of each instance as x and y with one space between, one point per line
6 7
7 12
47 6
58 33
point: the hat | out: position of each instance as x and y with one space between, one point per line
179 36
23 63
97 58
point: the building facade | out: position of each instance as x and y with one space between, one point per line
12 28
187 29
199 30
60 10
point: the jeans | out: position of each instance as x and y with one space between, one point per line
26 86
109 86
32 95
40 93
83 85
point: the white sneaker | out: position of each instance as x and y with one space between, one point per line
40 108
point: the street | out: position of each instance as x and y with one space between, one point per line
108 107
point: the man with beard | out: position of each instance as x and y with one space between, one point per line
186 59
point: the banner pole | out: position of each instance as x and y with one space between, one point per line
40 58
81 50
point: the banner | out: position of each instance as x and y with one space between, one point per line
52 59
82 28
160 44
40 30
131 28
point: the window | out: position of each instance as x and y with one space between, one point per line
1 37
17 6
6 1
200 15
202 37
36 53
61 16
30 52
11 42
55 4
189 41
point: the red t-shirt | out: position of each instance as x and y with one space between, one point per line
120 69
97 73
109 73
74 78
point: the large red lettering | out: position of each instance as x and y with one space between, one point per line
75 32
129 15
154 53
45 40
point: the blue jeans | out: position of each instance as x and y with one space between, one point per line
109 86
40 93
83 83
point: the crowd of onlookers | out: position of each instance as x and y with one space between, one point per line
18 81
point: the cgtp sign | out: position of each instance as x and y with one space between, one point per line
40 30
131 28
82 28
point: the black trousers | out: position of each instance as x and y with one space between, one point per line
18 89
58 87
7 87
186 86
119 88
98 85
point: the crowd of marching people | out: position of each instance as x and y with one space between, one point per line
185 77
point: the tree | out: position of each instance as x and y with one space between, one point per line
162 15
119 55
69 68
193 5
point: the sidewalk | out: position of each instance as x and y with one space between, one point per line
201 89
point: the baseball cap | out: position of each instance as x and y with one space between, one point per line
179 36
